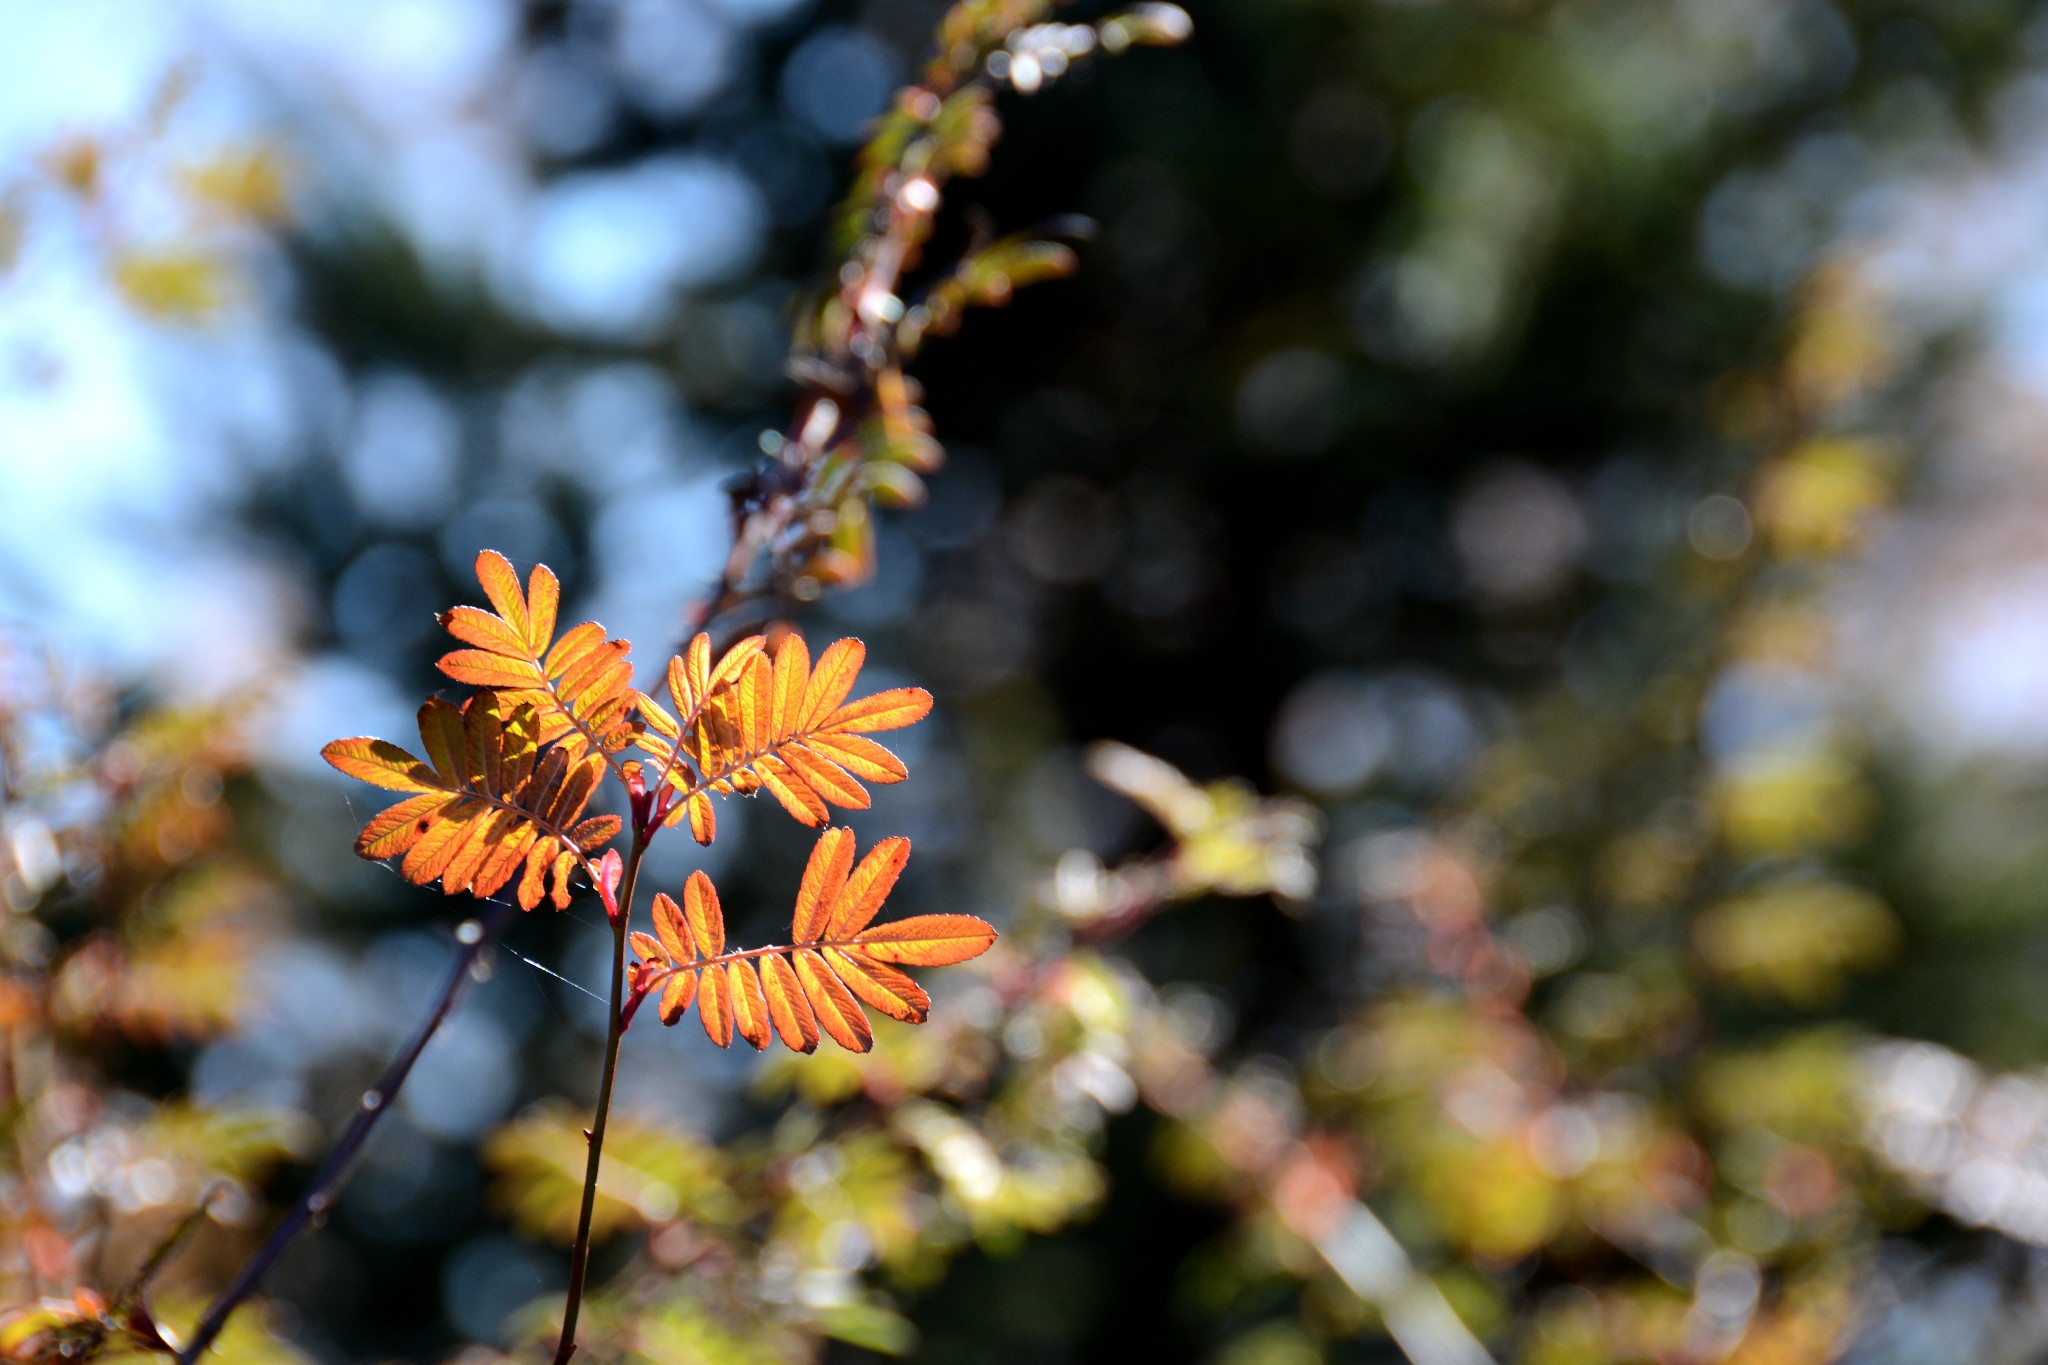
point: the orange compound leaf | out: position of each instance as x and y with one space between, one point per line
692 683
797 796
839 1014
862 896
824 878
928 940
860 756
705 919
703 818
714 1006
825 780
397 828
501 584
816 985
677 995
381 764
494 799
544 862
671 951
749 1005
580 686
780 724
789 679
831 680
480 668
891 710
490 634
880 985
790 1012
672 931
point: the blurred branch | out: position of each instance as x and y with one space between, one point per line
472 937
858 437
1225 839
1418 1317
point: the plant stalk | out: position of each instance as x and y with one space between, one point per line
472 939
579 1259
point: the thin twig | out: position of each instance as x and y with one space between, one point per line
138 1284
472 937
579 1259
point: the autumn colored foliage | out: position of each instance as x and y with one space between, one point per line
1649 1004
510 773
835 962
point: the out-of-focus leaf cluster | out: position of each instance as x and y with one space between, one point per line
132 923
860 439
173 227
1566 1082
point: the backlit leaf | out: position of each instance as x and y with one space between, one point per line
891 710
832 679
396 829
880 986
490 803
752 723
749 1006
824 877
672 930
867 888
839 1014
580 686
677 995
714 1006
380 763
815 985
860 756
787 1007
706 920
928 940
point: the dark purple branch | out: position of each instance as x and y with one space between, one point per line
471 940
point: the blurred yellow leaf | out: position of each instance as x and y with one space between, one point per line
682 1332
1843 345
179 971
1793 634
238 1142
1791 802
1798 1089
865 1182
1493 1197
1275 1343
1798 941
1036 1186
77 163
175 284
1818 498
1644 870
651 1174
1231 839
870 1326
246 182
